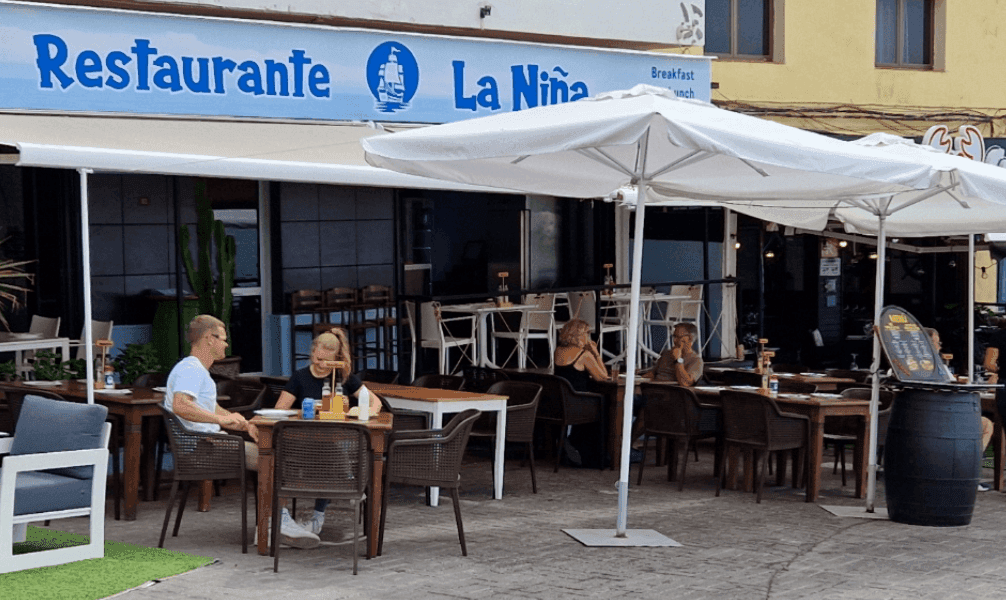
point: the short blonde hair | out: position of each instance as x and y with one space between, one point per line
336 341
201 325
571 332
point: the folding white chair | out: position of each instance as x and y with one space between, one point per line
535 324
437 334
100 330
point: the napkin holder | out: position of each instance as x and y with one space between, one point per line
333 406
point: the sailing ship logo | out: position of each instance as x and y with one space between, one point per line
393 76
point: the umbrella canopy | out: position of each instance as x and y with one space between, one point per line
648 137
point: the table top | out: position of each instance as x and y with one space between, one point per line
408 392
815 399
379 422
475 307
78 390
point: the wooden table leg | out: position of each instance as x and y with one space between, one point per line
151 425
616 414
375 503
133 425
816 454
205 493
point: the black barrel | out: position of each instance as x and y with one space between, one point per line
932 457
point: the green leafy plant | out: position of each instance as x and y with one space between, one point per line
136 360
75 368
49 367
212 286
14 285
8 371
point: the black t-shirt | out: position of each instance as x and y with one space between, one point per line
305 385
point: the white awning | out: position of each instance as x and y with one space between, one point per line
328 153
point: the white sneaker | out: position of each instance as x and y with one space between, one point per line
314 524
292 534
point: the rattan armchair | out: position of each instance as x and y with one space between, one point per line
200 456
429 458
379 375
243 396
321 460
675 412
754 422
521 410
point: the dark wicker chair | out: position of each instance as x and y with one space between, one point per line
275 386
675 412
840 431
404 419
321 460
480 379
443 382
734 378
754 422
789 368
429 458
379 375
150 380
792 386
243 396
561 406
521 408
859 376
198 457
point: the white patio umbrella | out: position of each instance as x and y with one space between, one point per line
971 199
647 137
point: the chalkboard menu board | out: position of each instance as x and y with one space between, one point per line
909 348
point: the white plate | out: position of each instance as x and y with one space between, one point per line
275 413
114 392
813 374
743 387
817 395
160 389
709 388
42 383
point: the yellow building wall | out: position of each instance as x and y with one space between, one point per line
825 64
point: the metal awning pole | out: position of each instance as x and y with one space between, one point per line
85 242
971 307
878 304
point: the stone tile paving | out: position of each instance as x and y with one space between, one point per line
783 548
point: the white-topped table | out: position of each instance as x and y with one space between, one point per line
19 342
437 402
482 310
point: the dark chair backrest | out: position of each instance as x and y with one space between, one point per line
443 382
792 386
379 375
200 456
744 417
734 377
788 368
405 420
865 393
670 409
328 459
522 407
858 376
432 457
149 380
480 379
241 395
550 404
274 386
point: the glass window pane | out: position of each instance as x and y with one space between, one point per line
242 223
915 50
752 27
887 32
718 26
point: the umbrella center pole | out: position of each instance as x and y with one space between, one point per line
871 485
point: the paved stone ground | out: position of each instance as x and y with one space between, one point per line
783 548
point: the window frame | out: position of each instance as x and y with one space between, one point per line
770 10
899 38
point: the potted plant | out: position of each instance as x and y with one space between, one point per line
136 360
14 284
211 284
48 366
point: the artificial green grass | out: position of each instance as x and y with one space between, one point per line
124 566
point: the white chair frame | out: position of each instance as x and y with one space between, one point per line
535 324
14 527
46 327
100 330
437 335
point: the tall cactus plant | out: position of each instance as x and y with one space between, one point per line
213 288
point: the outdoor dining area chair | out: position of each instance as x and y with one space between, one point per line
675 413
752 422
521 409
56 469
441 382
429 458
321 460
201 456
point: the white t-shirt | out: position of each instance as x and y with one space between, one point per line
191 378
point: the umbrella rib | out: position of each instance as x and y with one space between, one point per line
605 159
685 161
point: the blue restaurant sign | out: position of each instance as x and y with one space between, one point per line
70 59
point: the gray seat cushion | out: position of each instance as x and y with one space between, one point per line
54 426
38 491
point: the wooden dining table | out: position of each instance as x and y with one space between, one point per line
133 405
817 408
379 426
